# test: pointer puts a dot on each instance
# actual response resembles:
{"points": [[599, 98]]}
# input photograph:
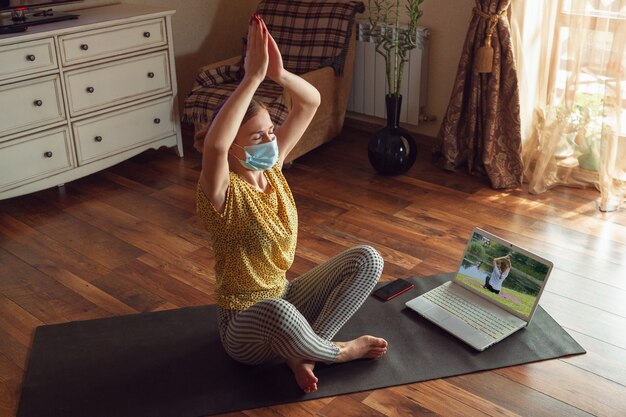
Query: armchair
{"points": [[316, 41]]}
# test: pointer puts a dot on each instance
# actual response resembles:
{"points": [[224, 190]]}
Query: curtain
{"points": [[571, 60], [480, 131]]}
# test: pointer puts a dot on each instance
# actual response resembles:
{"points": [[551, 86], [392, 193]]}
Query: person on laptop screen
{"points": [[501, 268], [250, 214]]}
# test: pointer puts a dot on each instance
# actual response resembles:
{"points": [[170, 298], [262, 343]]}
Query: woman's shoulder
{"points": [[204, 207], [207, 209]]}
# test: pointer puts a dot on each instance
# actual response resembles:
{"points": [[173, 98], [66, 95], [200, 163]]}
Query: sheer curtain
{"points": [[571, 64]]}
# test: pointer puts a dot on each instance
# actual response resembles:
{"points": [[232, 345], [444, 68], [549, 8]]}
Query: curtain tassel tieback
{"points": [[483, 62]]}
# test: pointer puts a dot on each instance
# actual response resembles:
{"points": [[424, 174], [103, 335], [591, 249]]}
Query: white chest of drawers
{"points": [[82, 95]]}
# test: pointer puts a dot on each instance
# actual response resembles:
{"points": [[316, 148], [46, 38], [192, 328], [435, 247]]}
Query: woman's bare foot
{"points": [[362, 347], [303, 371]]}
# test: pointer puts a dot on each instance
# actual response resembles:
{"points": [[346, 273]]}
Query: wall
{"points": [[209, 31], [205, 31], [448, 21]]}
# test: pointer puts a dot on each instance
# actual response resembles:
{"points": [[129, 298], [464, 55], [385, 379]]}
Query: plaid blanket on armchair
{"points": [[310, 34]]}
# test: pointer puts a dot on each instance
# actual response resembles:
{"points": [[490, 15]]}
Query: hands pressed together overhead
{"points": [[263, 58]]}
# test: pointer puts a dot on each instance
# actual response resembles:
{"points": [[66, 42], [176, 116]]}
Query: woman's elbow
{"points": [[316, 99], [214, 147], [312, 102]]}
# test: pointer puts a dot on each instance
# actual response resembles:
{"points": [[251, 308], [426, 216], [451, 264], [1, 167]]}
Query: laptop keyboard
{"points": [[472, 314]]}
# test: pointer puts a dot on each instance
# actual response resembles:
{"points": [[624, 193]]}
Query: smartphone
{"points": [[393, 289]]}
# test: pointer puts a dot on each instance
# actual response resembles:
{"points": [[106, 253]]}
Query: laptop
{"points": [[494, 293]]}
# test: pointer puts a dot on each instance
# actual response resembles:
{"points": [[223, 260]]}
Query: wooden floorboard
{"points": [[126, 240]]}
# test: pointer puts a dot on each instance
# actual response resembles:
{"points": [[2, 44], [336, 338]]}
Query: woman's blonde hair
{"points": [[253, 109]]}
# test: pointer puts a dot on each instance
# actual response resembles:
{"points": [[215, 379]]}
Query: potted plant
{"points": [[392, 150], [572, 120], [593, 131], [393, 40], [583, 127], [589, 148]]}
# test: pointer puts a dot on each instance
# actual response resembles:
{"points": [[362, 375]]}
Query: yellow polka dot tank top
{"points": [[254, 239]]}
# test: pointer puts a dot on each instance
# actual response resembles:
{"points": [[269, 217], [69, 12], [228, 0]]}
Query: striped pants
{"points": [[302, 323]]}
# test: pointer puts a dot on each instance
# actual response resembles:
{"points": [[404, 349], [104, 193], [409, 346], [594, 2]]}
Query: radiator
{"points": [[367, 95]]}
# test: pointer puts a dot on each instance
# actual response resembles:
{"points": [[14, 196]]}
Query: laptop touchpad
{"points": [[437, 313]]}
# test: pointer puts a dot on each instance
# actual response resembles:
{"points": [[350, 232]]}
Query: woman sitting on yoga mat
{"points": [[250, 214], [501, 268]]}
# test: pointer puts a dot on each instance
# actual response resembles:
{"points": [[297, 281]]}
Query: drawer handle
{"points": [[146, 34], [90, 89], [151, 75], [38, 103], [98, 138], [31, 57], [47, 154], [157, 120], [84, 46]]}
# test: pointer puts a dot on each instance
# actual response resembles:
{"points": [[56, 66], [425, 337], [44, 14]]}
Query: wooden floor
{"points": [[126, 240]]}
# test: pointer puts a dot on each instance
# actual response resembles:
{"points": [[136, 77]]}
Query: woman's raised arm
{"points": [[221, 134], [305, 100]]}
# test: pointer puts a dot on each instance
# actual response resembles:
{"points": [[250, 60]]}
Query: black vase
{"points": [[392, 150]]}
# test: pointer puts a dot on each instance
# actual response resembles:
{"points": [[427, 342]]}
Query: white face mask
{"points": [[260, 157]]}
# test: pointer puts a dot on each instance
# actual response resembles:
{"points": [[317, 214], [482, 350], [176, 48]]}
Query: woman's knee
{"points": [[279, 315], [370, 261], [252, 336]]}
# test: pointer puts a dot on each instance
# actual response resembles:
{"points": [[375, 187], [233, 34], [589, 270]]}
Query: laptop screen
{"points": [[511, 276]]}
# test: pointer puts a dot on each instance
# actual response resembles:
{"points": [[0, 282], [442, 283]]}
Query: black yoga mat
{"points": [[171, 363]]}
